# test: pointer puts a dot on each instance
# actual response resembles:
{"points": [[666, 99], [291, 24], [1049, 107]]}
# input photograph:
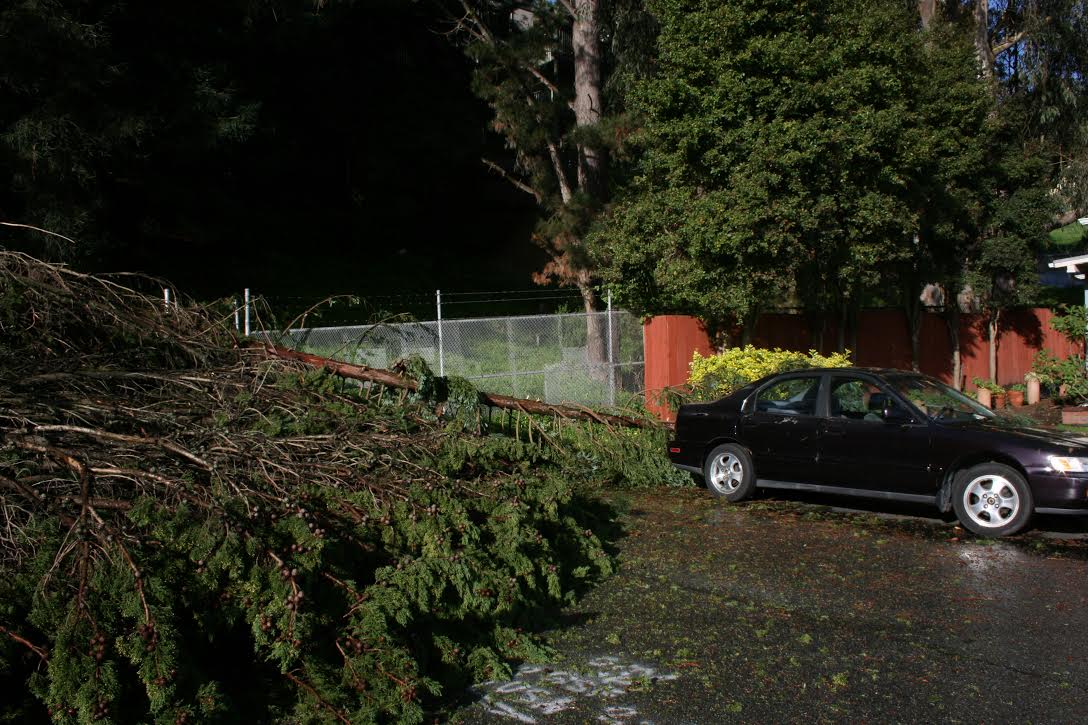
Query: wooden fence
{"points": [[883, 340]]}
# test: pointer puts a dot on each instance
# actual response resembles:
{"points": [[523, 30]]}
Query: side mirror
{"points": [[895, 414]]}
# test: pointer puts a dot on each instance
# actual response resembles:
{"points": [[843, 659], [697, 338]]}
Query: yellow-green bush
{"points": [[718, 375]]}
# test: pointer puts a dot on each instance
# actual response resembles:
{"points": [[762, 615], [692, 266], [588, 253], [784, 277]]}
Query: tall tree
{"points": [[1035, 55], [772, 159], [544, 68], [952, 141]]}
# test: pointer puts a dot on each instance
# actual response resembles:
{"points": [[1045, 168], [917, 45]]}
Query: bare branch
{"points": [[560, 175], [38, 229], [1008, 43], [518, 183], [42, 654]]}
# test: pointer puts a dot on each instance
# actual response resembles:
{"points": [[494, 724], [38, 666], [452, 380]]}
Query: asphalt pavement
{"points": [[808, 609]]}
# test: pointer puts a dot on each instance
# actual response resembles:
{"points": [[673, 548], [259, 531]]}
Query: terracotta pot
{"points": [[1016, 398], [1033, 391], [984, 397], [999, 401]]}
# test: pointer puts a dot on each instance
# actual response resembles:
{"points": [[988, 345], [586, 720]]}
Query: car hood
{"points": [[1035, 434]]}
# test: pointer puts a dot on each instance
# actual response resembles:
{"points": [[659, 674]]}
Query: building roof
{"points": [[1076, 266]]}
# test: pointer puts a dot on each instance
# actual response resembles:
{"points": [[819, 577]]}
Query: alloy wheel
{"points": [[726, 473], [991, 501]]}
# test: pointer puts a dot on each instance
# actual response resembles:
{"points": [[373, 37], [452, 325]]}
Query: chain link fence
{"points": [[592, 359]]}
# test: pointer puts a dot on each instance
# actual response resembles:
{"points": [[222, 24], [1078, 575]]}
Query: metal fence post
{"points": [[441, 351], [611, 357], [166, 298], [247, 312], [511, 358]]}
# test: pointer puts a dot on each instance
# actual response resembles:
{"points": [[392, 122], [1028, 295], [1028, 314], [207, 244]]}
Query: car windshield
{"points": [[937, 400]]}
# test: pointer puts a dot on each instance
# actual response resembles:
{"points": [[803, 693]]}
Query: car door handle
{"points": [[791, 421]]}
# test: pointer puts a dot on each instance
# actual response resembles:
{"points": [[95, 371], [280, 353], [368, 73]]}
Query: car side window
{"points": [[794, 396], [852, 398], [857, 399]]}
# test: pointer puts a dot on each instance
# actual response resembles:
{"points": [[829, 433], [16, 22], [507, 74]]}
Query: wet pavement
{"points": [[787, 609]]}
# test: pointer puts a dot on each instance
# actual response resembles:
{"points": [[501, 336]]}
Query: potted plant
{"points": [[990, 393], [1016, 394], [982, 392]]}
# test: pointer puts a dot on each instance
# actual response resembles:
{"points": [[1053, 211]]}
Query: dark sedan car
{"points": [[882, 434]]}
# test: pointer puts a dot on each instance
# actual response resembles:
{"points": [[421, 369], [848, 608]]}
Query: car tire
{"points": [[992, 499], [729, 473]]}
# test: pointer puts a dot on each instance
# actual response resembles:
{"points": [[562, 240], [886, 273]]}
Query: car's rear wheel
{"points": [[729, 473], [992, 499]]}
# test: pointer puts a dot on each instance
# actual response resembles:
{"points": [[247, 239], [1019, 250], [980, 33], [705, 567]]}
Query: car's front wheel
{"points": [[729, 473], [992, 499]]}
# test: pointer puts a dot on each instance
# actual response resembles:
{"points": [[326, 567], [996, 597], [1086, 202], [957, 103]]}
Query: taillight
{"points": [[674, 450]]}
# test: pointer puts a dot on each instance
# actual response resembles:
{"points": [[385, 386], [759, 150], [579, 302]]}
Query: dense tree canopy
{"points": [[776, 158], [824, 155]]}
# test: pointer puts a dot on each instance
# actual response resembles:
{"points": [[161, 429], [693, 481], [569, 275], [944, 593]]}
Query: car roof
{"points": [[870, 371]]}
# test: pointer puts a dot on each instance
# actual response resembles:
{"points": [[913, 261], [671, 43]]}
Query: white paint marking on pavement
{"points": [[541, 690]]}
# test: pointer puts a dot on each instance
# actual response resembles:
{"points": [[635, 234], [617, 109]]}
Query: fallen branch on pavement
{"points": [[394, 380]]}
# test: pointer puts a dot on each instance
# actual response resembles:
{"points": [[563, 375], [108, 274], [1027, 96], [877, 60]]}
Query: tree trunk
{"points": [[596, 336], [983, 52], [855, 322], [819, 324], [927, 9], [586, 44], [912, 305], [995, 318], [952, 320], [843, 322], [748, 325], [394, 379]]}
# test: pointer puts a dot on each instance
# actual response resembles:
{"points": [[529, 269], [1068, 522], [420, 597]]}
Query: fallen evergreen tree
{"points": [[191, 530]]}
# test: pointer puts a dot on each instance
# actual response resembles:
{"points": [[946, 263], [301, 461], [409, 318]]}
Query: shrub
{"points": [[990, 385], [1055, 372], [719, 375]]}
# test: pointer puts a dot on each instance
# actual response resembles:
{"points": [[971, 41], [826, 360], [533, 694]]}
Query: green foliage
{"points": [[773, 159], [377, 604], [1056, 372], [719, 375], [1071, 321], [1070, 236], [990, 385], [222, 537]]}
